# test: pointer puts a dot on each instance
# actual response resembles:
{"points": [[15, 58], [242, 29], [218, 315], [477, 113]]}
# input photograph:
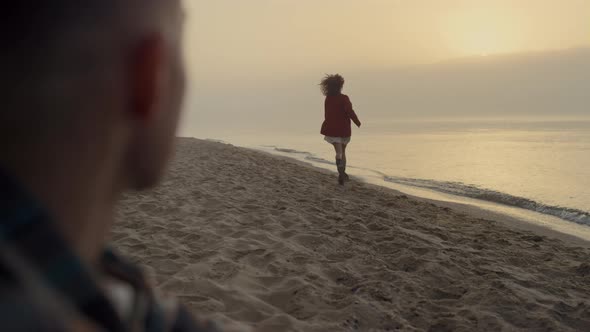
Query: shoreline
{"points": [[259, 242], [472, 210], [512, 222]]}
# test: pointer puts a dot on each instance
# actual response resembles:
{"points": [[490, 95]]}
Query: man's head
{"points": [[100, 79]]}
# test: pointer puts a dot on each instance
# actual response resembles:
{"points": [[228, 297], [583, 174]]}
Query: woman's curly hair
{"points": [[332, 85]]}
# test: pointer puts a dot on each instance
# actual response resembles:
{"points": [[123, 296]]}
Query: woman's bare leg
{"points": [[338, 147]]}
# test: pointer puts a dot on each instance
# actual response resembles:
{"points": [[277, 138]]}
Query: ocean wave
{"points": [[308, 155], [468, 191], [319, 160], [291, 151], [471, 191]]}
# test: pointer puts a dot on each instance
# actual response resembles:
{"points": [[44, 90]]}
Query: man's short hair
{"points": [[27, 27], [48, 45], [37, 46]]}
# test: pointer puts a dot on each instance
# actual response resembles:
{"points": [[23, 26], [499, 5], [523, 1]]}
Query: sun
{"points": [[483, 40], [480, 33]]}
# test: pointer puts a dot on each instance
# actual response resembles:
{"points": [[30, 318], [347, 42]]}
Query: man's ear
{"points": [[146, 73]]}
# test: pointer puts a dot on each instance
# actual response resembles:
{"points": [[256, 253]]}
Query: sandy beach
{"points": [[269, 244]]}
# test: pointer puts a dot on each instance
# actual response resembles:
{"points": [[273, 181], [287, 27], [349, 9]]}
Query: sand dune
{"points": [[267, 243]]}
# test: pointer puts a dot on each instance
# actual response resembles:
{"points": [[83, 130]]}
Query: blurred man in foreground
{"points": [[91, 92]]}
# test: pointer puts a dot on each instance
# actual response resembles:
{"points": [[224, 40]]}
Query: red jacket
{"points": [[338, 113]]}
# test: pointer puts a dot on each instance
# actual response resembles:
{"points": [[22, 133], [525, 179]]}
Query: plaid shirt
{"points": [[45, 287]]}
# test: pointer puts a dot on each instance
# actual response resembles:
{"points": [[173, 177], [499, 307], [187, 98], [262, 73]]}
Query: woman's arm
{"points": [[350, 112]]}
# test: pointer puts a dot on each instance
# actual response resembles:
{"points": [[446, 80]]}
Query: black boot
{"points": [[340, 166], [346, 177]]}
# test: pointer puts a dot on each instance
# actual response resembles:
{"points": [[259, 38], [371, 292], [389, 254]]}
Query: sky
{"points": [[237, 36], [270, 54]]}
